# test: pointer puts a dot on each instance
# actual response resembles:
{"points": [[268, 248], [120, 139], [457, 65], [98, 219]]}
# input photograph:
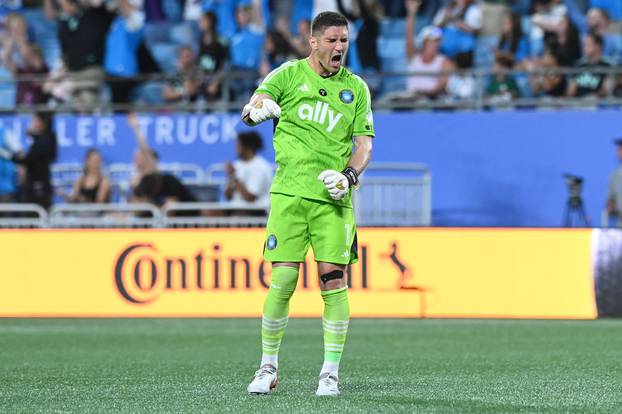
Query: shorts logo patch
{"points": [[346, 96], [271, 242]]}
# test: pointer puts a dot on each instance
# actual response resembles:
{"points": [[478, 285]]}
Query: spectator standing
{"points": [[246, 45], [277, 50], [29, 91], [461, 20], [37, 160], [24, 59], [589, 82], [91, 186], [249, 177], [502, 87], [428, 59], [546, 15], [223, 9], [365, 15], [598, 22], [82, 29], [122, 43], [563, 41], [186, 84], [512, 39], [299, 42], [213, 56]]}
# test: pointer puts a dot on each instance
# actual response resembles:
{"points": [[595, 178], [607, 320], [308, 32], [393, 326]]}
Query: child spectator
{"points": [[502, 87], [461, 86]]}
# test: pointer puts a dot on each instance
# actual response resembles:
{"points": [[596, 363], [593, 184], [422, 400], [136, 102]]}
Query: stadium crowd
{"points": [[82, 52]]}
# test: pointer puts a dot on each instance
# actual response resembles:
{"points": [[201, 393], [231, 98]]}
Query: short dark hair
{"points": [[598, 39], [327, 19], [251, 140]]}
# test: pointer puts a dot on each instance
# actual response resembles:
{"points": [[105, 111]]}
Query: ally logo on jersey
{"points": [[321, 113]]}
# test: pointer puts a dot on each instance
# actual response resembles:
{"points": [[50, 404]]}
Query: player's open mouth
{"points": [[335, 60]]}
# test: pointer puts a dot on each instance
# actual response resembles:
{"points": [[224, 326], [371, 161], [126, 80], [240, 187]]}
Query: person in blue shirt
{"points": [[246, 47], [8, 174], [122, 42]]}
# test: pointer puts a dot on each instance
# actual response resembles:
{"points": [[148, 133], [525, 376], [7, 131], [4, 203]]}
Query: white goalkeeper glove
{"points": [[262, 111], [338, 183]]}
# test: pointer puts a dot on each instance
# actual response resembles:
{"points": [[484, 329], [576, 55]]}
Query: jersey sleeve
{"points": [[363, 118], [275, 83]]}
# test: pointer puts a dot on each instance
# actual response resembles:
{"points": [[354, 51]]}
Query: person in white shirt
{"points": [[427, 60], [250, 176]]}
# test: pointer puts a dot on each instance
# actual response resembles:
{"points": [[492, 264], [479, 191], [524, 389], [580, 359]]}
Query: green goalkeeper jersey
{"points": [[319, 118]]}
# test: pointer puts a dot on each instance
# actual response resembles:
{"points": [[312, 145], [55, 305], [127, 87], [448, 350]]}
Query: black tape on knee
{"points": [[335, 274]]}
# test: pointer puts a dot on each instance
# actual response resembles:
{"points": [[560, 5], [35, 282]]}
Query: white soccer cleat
{"points": [[328, 385], [265, 380]]}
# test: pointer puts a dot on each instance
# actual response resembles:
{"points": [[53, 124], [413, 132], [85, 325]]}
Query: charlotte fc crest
{"points": [[346, 96]]}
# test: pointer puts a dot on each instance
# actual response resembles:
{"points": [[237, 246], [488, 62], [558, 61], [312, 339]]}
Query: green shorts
{"points": [[295, 223]]}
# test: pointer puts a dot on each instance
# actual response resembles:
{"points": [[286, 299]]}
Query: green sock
{"points": [[335, 323], [276, 311]]}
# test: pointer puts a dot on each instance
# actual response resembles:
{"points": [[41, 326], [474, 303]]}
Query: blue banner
{"points": [[488, 169]]}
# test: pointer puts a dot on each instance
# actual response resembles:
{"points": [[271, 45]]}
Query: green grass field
{"points": [[412, 366]]}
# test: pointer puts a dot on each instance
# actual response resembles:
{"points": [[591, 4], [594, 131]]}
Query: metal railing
{"points": [[105, 215], [22, 215], [389, 200], [214, 215], [233, 79]]}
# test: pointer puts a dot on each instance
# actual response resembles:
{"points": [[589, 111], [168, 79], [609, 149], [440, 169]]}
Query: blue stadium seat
{"points": [[157, 33], [148, 93], [173, 10], [391, 47], [166, 55], [185, 34], [7, 89]]}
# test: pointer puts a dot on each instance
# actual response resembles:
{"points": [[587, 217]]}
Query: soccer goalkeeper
{"points": [[321, 109]]}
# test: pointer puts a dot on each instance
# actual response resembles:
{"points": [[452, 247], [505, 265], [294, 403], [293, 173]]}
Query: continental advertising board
{"points": [[402, 272]]}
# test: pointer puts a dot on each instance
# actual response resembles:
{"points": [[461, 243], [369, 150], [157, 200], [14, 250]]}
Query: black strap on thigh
{"points": [[335, 274]]}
